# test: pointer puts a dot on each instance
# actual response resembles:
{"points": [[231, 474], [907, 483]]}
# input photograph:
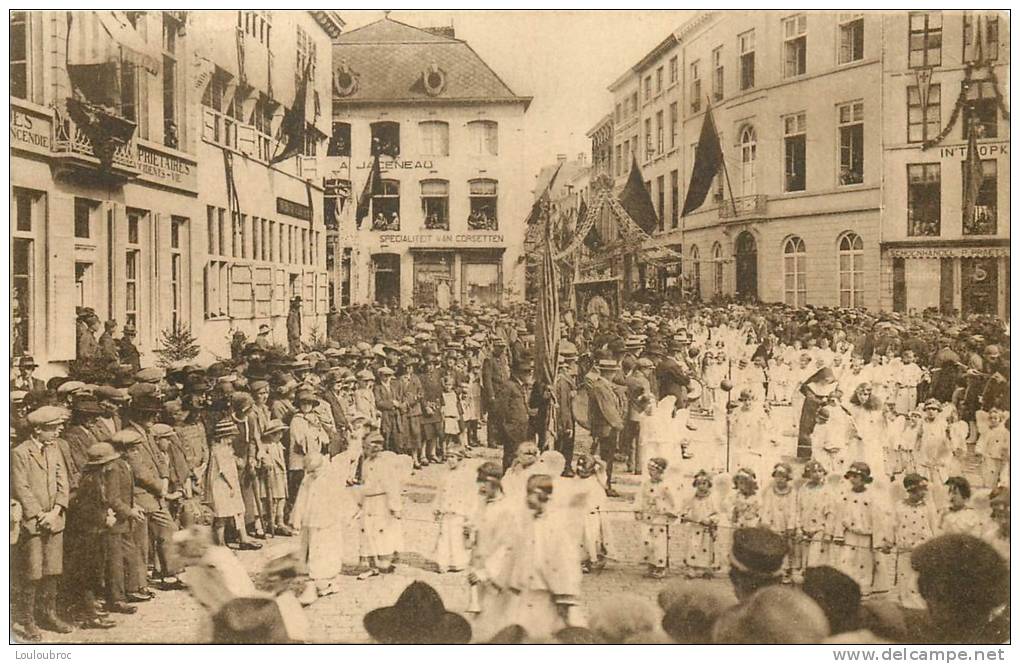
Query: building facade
{"points": [[443, 221], [110, 209], [944, 70]]}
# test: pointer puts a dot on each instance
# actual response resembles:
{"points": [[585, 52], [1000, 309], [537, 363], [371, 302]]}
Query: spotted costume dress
{"points": [[915, 523], [859, 524], [779, 514], [814, 514], [699, 539], [655, 503]]}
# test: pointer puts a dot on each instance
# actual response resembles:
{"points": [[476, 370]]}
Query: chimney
{"points": [[560, 158], [446, 31]]}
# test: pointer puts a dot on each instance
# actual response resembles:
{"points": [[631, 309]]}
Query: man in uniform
{"points": [[40, 485], [511, 409], [109, 354], [129, 354]]}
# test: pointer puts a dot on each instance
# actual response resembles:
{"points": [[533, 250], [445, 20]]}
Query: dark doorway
{"points": [[979, 286], [747, 267], [387, 279]]}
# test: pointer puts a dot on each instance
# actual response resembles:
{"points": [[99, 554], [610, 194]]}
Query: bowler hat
{"points": [[417, 617], [758, 551]]}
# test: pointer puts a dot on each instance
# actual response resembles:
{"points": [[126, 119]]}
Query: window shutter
{"points": [[161, 306], [308, 167], [246, 139], [242, 295], [263, 287], [322, 301], [308, 293], [208, 124], [280, 293], [61, 340]]}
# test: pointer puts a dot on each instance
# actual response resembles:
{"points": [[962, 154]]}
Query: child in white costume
{"points": [[380, 506], [914, 522], [590, 482], [322, 508], [859, 527], [745, 511], [959, 517], [814, 518], [457, 501], [993, 446], [779, 508], [491, 539], [700, 514], [656, 508]]}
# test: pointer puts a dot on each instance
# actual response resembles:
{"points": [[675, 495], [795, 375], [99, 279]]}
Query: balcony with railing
{"points": [[70, 142], [744, 207]]}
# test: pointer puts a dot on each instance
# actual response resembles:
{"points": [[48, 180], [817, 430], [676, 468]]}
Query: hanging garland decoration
{"points": [[998, 93], [961, 100]]}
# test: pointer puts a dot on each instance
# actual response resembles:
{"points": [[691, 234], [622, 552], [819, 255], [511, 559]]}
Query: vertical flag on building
{"points": [[972, 175], [547, 332], [373, 187], [708, 158], [294, 123]]}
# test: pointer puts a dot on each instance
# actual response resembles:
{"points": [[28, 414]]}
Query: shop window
{"points": [[795, 46], [481, 284], [435, 138], [340, 141], [484, 205], [851, 270], [983, 218], [925, 39], [795, 147], [794, 272], [386, 139], [924, 200], [851, 37], [484, 137], [924, 122], [435, 204], [386, 207], [851, 143]]}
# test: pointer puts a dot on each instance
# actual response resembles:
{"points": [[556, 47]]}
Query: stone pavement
{"points": [[173, 617]]}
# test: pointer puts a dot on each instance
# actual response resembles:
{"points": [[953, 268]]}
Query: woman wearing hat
{"points": [[859, 527], [272, 465], [223, 486]]}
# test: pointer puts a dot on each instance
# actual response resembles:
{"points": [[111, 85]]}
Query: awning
{"points": [[103, 36]]}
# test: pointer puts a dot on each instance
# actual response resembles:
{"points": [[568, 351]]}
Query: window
{"points": [[924, 200], [177, 225], [851, 37], [674, 124], [717, 270], [695, 86], [795, 147], [133, 269], [435, 204], [924, 122], [696, 271], [340, 142], [794, 258], [851, 270], [658, 80], [256, 23], [674, 70], [386, 207], [619, 158], [483, 136], [633, 102], [661, 209], [618, 116], [851, 143], [128, 92], [22, 269], [484, 205], [794, 46], [718, 79], [171, 26], [648, 88], [746, 41], [983, 220], [265, 108], [83, 217], [925, 39], [336, 195], [987, 46], [19, 54], [386, 139], [748, 157], [306, 57], [435, 138], [648, 139], [983, 108], [627, 156], [660, 133], [674, 185]]}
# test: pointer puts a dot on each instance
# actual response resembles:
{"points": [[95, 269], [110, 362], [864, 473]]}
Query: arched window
{"points": [[851, 270], [696, 270], [483, 136], [717, 269], [748, 155], [794, 258]]}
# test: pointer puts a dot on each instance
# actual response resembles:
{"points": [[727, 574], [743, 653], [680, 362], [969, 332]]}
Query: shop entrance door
{"points": [[387, 279], [979, 287]]}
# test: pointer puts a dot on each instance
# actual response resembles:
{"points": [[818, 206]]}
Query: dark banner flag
{"points": [[293, 125], [373, 187], [707, 159], [547, 332]]}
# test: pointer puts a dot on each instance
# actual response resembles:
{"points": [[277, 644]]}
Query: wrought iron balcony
{"points": [[743, 206], [70, 141]]}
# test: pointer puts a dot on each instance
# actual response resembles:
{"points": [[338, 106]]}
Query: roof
{"points": [[388, 59], [330, 21], [653, 56]]}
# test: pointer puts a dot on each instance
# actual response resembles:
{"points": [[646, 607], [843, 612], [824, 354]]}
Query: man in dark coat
{"points": [[495, 373], [109, 353], [607, 408], [512, 413], [294, 325], [128, 351]]}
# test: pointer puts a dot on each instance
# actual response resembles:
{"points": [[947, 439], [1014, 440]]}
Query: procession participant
{"points": [[815, 514], [432, 409], [589, 485], [565, 389], [246, 444], [779, 510], [129, 354], [866, 438], [935, 456], [524, 466], [223, 487], [701, 514], [906, 439], [307, 436], [750, 432], [495, 373], [908, 377], [657, 507], [455, 505], [993, 447], [745, 512], [639, 401], [40, 485], [914, 522], [491, 541], [959, 517], [543, 567], [998, 529], [860, 525], [816, 390], [380, 507], [606, 413]]}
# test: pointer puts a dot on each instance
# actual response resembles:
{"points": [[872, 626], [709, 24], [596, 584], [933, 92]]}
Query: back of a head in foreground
{"points": [[617, 619], [773, 615], [962, 578], [691, 607]]}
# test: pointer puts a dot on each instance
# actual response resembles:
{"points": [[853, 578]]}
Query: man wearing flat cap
{"points": [[39, 482], [129, 354]]}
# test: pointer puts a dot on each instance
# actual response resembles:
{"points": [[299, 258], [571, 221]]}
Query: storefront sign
{"points": [[985, 150], [29, 131], [166, 169], [292, 209], [445, 238], [398, 165]]}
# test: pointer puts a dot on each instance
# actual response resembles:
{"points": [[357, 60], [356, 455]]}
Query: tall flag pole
{"points": [[373, 187], [547, 337], [974, 175], [708, 159]]}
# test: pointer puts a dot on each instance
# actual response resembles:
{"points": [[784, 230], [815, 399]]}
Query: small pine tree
{"points": [[176, 344]]}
